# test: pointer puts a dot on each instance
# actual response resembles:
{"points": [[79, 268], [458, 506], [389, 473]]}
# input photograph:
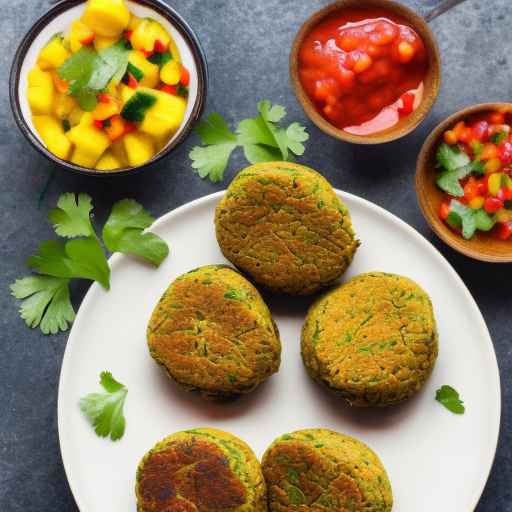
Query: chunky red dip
{"points": [[363, 69]]}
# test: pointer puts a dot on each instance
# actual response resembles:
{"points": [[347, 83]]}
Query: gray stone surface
{"points": [[247, 44]]}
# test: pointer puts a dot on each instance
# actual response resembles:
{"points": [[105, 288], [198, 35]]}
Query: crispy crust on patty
{"points": [[200, 470], [373, 340], [319, 470], [212, 333], [284, 225]]}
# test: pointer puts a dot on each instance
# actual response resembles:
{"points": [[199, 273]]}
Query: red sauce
{"points": [[363, 69]]}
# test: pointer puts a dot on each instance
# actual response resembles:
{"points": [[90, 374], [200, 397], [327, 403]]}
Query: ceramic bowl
{"points": [[482, 246], [431, 83], [59, 19]]}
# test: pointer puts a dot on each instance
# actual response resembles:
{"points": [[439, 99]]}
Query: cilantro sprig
{"points": [[262, 139], [468, 219], [450, 398], [105, 410], [45, 294]]}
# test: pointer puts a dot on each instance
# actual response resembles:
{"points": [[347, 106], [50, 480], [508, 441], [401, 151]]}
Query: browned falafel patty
{"points": [[284, 225], [200, 470], [213, 333], [319, 470], [373, 340]]}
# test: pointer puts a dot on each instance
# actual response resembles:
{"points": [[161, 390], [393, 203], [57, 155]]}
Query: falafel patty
{"points": [[200, 470], [284, 225], [212, 333], [373, 340], [320, 470]]}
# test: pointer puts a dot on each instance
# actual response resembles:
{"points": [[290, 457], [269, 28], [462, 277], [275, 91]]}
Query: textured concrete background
{"points": [[247, 44]]}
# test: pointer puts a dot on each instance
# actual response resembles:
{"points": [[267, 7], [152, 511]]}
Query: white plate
{"points": [[437, 461]]}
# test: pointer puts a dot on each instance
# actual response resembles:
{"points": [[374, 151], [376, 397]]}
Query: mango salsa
{"points": [[111, 91]]}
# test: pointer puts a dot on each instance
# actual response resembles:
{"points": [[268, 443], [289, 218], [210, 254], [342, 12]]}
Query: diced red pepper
{"points": [[98, 124], [88, 39], [483, 186], [504, 230], [184, 76], [147, 54], [444, 209], [132, 81], [504, 194], [159, 47], [481, 131], [493, 204], [471, 189], [408, 104], [505, 152], [128, 34], [497, 118], [116, 128], [466, 135], [129, 128], [104, 98], [170, 89]]}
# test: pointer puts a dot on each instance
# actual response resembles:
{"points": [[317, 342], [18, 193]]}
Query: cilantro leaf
{"points": [[82, 258], [449, 180], [215, 131], [296, 135], [449, 397], [46, 302], [484, 221], [462, 216], [271, 113], [123, 232], [255, 131], [71, 218], [105, 410], [116, 58], [450, 158], [255, 153], [211, 161]]}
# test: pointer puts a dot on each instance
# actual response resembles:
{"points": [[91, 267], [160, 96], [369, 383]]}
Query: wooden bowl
{"points": [[432, 81], [482, 246]]}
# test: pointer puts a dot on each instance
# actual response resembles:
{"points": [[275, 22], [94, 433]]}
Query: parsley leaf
{"points": [[262, 139], [71, 218], [81, 258], [46, 302], [123, 232], [105, 410], [451, 158], [447, 396]]}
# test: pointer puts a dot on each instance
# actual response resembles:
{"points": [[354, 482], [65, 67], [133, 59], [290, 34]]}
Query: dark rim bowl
{"points": [[432, 80], [199, 80]]}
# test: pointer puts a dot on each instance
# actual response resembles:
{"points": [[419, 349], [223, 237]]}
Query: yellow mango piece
{"points": [[139, 148], [134, 22], [101, 42], [492, 165], [106, 17], [75, 116], [51, 131], [53, 55], [495, 183], [119, 153], [41, 91], [90, 142], [151, 71], [108, 162], [173, 48], [64, 105], [146, 33], [170, 73], [504, 215], [126, 93], [165, 116]]}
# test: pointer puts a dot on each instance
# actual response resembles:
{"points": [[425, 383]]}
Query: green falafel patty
{"points": [[200, 470], [319, 470], [212, 333], [283, 225], [373, 340]]}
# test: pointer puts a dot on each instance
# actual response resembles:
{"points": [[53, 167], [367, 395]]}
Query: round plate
{"points": [[435, 459]]}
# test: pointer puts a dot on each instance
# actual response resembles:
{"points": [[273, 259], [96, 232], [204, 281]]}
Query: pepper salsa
{"points": [[363, 69], [475, 173]]}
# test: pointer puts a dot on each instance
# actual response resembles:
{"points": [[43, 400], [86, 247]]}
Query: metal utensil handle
{"points": [[444, 6]]}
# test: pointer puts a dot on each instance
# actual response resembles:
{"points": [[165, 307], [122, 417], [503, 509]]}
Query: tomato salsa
{"points": [[363, 69], [475, 173]]}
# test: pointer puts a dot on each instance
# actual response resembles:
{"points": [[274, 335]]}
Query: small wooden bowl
{"points": [[482, 246], [432, 81]]}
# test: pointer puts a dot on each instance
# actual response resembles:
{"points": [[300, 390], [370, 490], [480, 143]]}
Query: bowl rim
{"points": [[62, 6], [453, 240], [389, 135]]}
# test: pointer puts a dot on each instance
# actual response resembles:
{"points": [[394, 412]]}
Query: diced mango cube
{"points": [[173, 48], [165, 116], [126, 93], [101, 42], [80, 35], [75, 116], [151, 71], [53, 55], [108, 162], [64, 105], [134, 22], [90, 142], [106, 17], [41, 91], [171, 72], [51, 131], [139, 147], [117, 149], [146, 33]]}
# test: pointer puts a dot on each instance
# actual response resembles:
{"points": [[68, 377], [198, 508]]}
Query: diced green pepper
{"points": [[137, 106]]}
